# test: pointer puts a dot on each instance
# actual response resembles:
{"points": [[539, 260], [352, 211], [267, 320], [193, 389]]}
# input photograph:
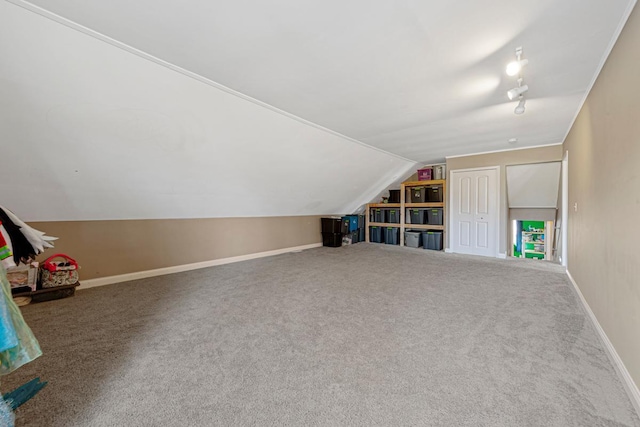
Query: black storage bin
{"points": [[394, 196], [332, 240], [392, 235], [434, 194], [416, 216], [375, 234], [361, 233], [434, 216], [418, 195], [432, 240], [355, 236], [360, 221], [331, 225], [393, 216], [377, 215]]}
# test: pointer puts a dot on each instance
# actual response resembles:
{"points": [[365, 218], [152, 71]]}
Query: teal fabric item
{"points": [[27, 348], [22, 394], [7, 418], [8, 337]]}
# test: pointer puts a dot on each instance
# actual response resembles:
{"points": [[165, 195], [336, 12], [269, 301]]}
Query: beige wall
{"points": [[604, 180], [503, 159], [107, 248]]}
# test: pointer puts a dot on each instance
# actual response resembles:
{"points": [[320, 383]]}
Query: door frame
{"points": [[565, 210], [497, 205]]}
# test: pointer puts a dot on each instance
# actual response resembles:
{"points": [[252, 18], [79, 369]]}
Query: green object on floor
{"points": [[22, 394]]}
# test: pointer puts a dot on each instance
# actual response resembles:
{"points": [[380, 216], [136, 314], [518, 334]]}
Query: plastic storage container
{"points": [[361, 233], [355, 236], [377, 215], [353, 222], [394, 196], [432, 240], [416, 216], [425, 174], [418, 195], [393, 216], [331, 225], [332, 240], [434, 194], [375, 234], [345, 225], [434, 216], [413, 238], [392, 235]]}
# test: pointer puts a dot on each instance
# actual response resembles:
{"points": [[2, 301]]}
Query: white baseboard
{"points": [[101, 281], [502, 256], [448, 250], [629, 385]]}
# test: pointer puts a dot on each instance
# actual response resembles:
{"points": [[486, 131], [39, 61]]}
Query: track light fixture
{"points": [[515, 67], [520, 108], [516, 92]]}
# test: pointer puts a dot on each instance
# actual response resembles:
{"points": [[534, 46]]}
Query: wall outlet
{"points": [[575, 207]]}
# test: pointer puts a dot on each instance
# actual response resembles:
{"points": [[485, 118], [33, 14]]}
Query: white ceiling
{"points": [[421, 79], [89, 131], [91, 128]]}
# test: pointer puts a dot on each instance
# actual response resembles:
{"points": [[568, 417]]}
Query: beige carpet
{"points": [[362, 335]]}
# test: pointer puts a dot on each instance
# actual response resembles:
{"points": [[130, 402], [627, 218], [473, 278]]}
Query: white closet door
{"points": [[474, 212]]}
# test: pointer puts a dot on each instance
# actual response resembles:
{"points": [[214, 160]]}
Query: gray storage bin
{"points": [[361, 233], [393, 215], [416, 216], [377, 215], [418, 195], [392, 235], [432, 240], [434, 216], [434, 194], [413, 238], [375, 234]]}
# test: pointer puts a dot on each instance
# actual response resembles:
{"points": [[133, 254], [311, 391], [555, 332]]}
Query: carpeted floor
{"points": [[361, 335]]}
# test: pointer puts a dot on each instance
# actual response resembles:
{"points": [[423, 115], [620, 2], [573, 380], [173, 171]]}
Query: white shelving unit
{"points": [[537, 238]]}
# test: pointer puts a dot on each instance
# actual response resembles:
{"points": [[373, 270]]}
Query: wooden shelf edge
{"points": [[425, 226], [383, 224], [425, 205], [422, 183], [384, 205]]}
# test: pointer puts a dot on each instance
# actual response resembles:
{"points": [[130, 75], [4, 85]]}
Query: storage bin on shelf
{"points": [[434, 216], [375, 234], [392, 235], [413, 238], [416, 216], [434, 194], [432, 239]]}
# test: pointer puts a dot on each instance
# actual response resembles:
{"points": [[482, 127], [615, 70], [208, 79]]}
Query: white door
{"points": [[475, 211]]}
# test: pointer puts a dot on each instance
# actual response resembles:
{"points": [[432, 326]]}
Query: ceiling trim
{"points": [[532, 147], [603, 61], [130, 49]]}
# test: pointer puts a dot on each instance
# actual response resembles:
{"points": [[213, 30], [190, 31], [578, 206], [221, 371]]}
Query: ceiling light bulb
{"points": [[514, 67], [517, 91], [512, 140], [520, 108]]}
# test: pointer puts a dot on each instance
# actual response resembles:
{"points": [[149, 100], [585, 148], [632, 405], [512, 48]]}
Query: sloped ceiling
{"points": [[90, 131], [244, 108]]}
